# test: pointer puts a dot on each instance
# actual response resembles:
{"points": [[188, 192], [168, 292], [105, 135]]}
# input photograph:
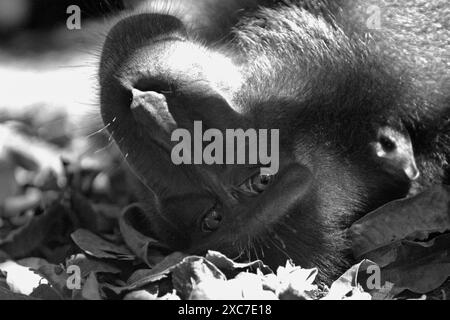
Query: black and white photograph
{"points": [[245, 151]]}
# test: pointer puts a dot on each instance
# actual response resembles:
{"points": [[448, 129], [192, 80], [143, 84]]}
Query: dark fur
{"points": [[313, 74]]}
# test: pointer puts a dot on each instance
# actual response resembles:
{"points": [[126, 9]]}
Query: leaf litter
{"points": [[69, 229]]}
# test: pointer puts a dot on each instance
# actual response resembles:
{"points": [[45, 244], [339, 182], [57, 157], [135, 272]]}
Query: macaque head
{"points": [[221, 163]]}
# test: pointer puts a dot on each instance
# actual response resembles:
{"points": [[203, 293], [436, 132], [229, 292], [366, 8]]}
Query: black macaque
{"points": [[356, 128]]}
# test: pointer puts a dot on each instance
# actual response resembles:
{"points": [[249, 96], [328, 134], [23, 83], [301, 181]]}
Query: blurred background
{"points": [[48, 100], [50, 140], [43, 64], [19, 16]]}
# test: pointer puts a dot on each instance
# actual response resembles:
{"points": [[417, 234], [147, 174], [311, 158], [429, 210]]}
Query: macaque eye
{"points": [[257, 184], [211, 221], [387, 144]]}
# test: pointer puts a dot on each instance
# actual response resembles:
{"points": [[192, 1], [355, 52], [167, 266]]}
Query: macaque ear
{"points": [[394, 149]]}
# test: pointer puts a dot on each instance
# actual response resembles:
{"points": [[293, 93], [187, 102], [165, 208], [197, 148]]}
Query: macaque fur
{"points": [[357, 128]]}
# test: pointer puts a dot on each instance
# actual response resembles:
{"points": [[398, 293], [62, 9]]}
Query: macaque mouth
{"points": [[152, 85]]}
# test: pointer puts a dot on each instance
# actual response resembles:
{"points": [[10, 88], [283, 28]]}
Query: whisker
{"points": [[109, 145], [280, 249], [98, 131], [260, 246], [254, 249]]}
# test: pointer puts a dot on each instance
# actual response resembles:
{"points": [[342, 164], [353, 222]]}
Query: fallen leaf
{"points": [[33, 263], [45, 292], [8, 185], [57, 277], [146, 295], [85, 213], [97, 247], [251, 287], [170, 296], [420, 267], [141, 295], [246, 286], [14, 206], [91, 265], [148, 249], [193, 270], [54, 274], [91, 290], [412, 218], [21, 279], [229, 267], [348, 284], [21, 242], [144, 277], [295, 283], [6, 294], [386, 292], [215, 289], [30, 152]]}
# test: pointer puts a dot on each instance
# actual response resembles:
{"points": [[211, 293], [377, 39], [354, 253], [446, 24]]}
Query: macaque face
{"points": [[157, 86], [182, 84]]}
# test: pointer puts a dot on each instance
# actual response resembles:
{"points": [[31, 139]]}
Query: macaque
{"points": [[356, 128]]}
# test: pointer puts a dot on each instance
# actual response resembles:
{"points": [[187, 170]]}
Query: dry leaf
{"points": [[21, 279], [95, 246], [413, 218], [144, 247]]}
